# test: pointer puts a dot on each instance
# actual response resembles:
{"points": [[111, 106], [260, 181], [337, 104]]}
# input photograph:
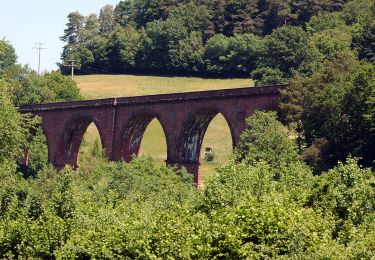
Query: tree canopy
{"points": [[225, 36], [8, 56]]}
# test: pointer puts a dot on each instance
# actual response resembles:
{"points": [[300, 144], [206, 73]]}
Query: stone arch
{"points": [[71, 139], [133, 131], [194, 130]]}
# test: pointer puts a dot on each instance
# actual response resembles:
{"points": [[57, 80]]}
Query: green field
{"points": [[153, 142]]}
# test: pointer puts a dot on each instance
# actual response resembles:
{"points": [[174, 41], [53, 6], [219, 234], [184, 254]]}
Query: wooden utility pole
{"points": [[71, 65], [38, 46]]}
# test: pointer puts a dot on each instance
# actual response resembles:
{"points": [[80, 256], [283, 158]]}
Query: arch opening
{"points": [[217, 146], [191, 148], [91, 147], [154, 143], [134, 133], [72, 140]]}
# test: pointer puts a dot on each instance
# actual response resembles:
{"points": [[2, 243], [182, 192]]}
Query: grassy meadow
{"points": [[153, 143]]}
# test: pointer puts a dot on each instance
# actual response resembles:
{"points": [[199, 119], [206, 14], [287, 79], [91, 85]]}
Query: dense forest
{"points": [[300, 184], [218, 38]]}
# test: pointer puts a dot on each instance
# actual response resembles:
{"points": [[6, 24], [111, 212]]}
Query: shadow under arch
{"points": [[133, 132], [72, 137], [193, 133]]}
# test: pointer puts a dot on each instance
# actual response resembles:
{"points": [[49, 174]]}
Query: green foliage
{"points": [[324, 21], [195, 17], [265, 230], [346, 195], [19, 132], [364, 43], [14, 128], [331, 41], [267, 76], [266, 139], [333, 111], [358, 12], [53, 86], [162, 37], [238, 54], [8, 57], [343, 106], [124, 45], [217, 49], [287, 49], [330, 34], [208, 37], [209, 157], [72, 33], [106, 20], [187, 56], [140, 210], [38, 152]]}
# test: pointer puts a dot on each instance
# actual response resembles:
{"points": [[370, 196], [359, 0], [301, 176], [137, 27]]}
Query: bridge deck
{"points": [[157, 99]]}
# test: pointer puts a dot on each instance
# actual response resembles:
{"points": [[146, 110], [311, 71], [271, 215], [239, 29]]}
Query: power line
{"points": [[38, 46], [72, 66]]}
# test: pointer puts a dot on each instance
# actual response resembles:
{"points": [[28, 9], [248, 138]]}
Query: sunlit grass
{"points": [[104, 86]]}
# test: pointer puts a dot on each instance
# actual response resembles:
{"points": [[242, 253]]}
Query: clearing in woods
{"points": [[153, 143]]}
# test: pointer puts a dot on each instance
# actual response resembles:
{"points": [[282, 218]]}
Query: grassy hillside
{"points": [[103, 86], [153, 142]]}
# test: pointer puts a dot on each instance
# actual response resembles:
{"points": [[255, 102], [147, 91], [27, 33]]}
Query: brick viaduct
{"points": [[121, 122]]}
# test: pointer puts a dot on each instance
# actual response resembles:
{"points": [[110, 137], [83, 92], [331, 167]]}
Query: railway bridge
{"points": [[121, 122]]}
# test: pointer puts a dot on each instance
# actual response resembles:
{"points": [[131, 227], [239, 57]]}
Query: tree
{"points": [[243, 53], [215, 54], [267, 76], [266, 139], [330, 34], [358, 12], [106, 20], [51, 87], [287, 49], [324, 21], [124, 12], [124, 45], [338, 112], [75, 24], [165, 7], [237, 55], [15, 128], [364, 44], [64, 87], [187, 56], [8, 57], [277, 13], [162, 36], [82, 56], [99, 47], [194, 17], [331, 41], [91, 28], [345, 195], [218, 16], [305, 9], [245, 18]]}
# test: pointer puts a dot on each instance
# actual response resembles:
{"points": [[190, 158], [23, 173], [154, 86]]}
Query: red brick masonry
{"points": [[122, 122]]}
